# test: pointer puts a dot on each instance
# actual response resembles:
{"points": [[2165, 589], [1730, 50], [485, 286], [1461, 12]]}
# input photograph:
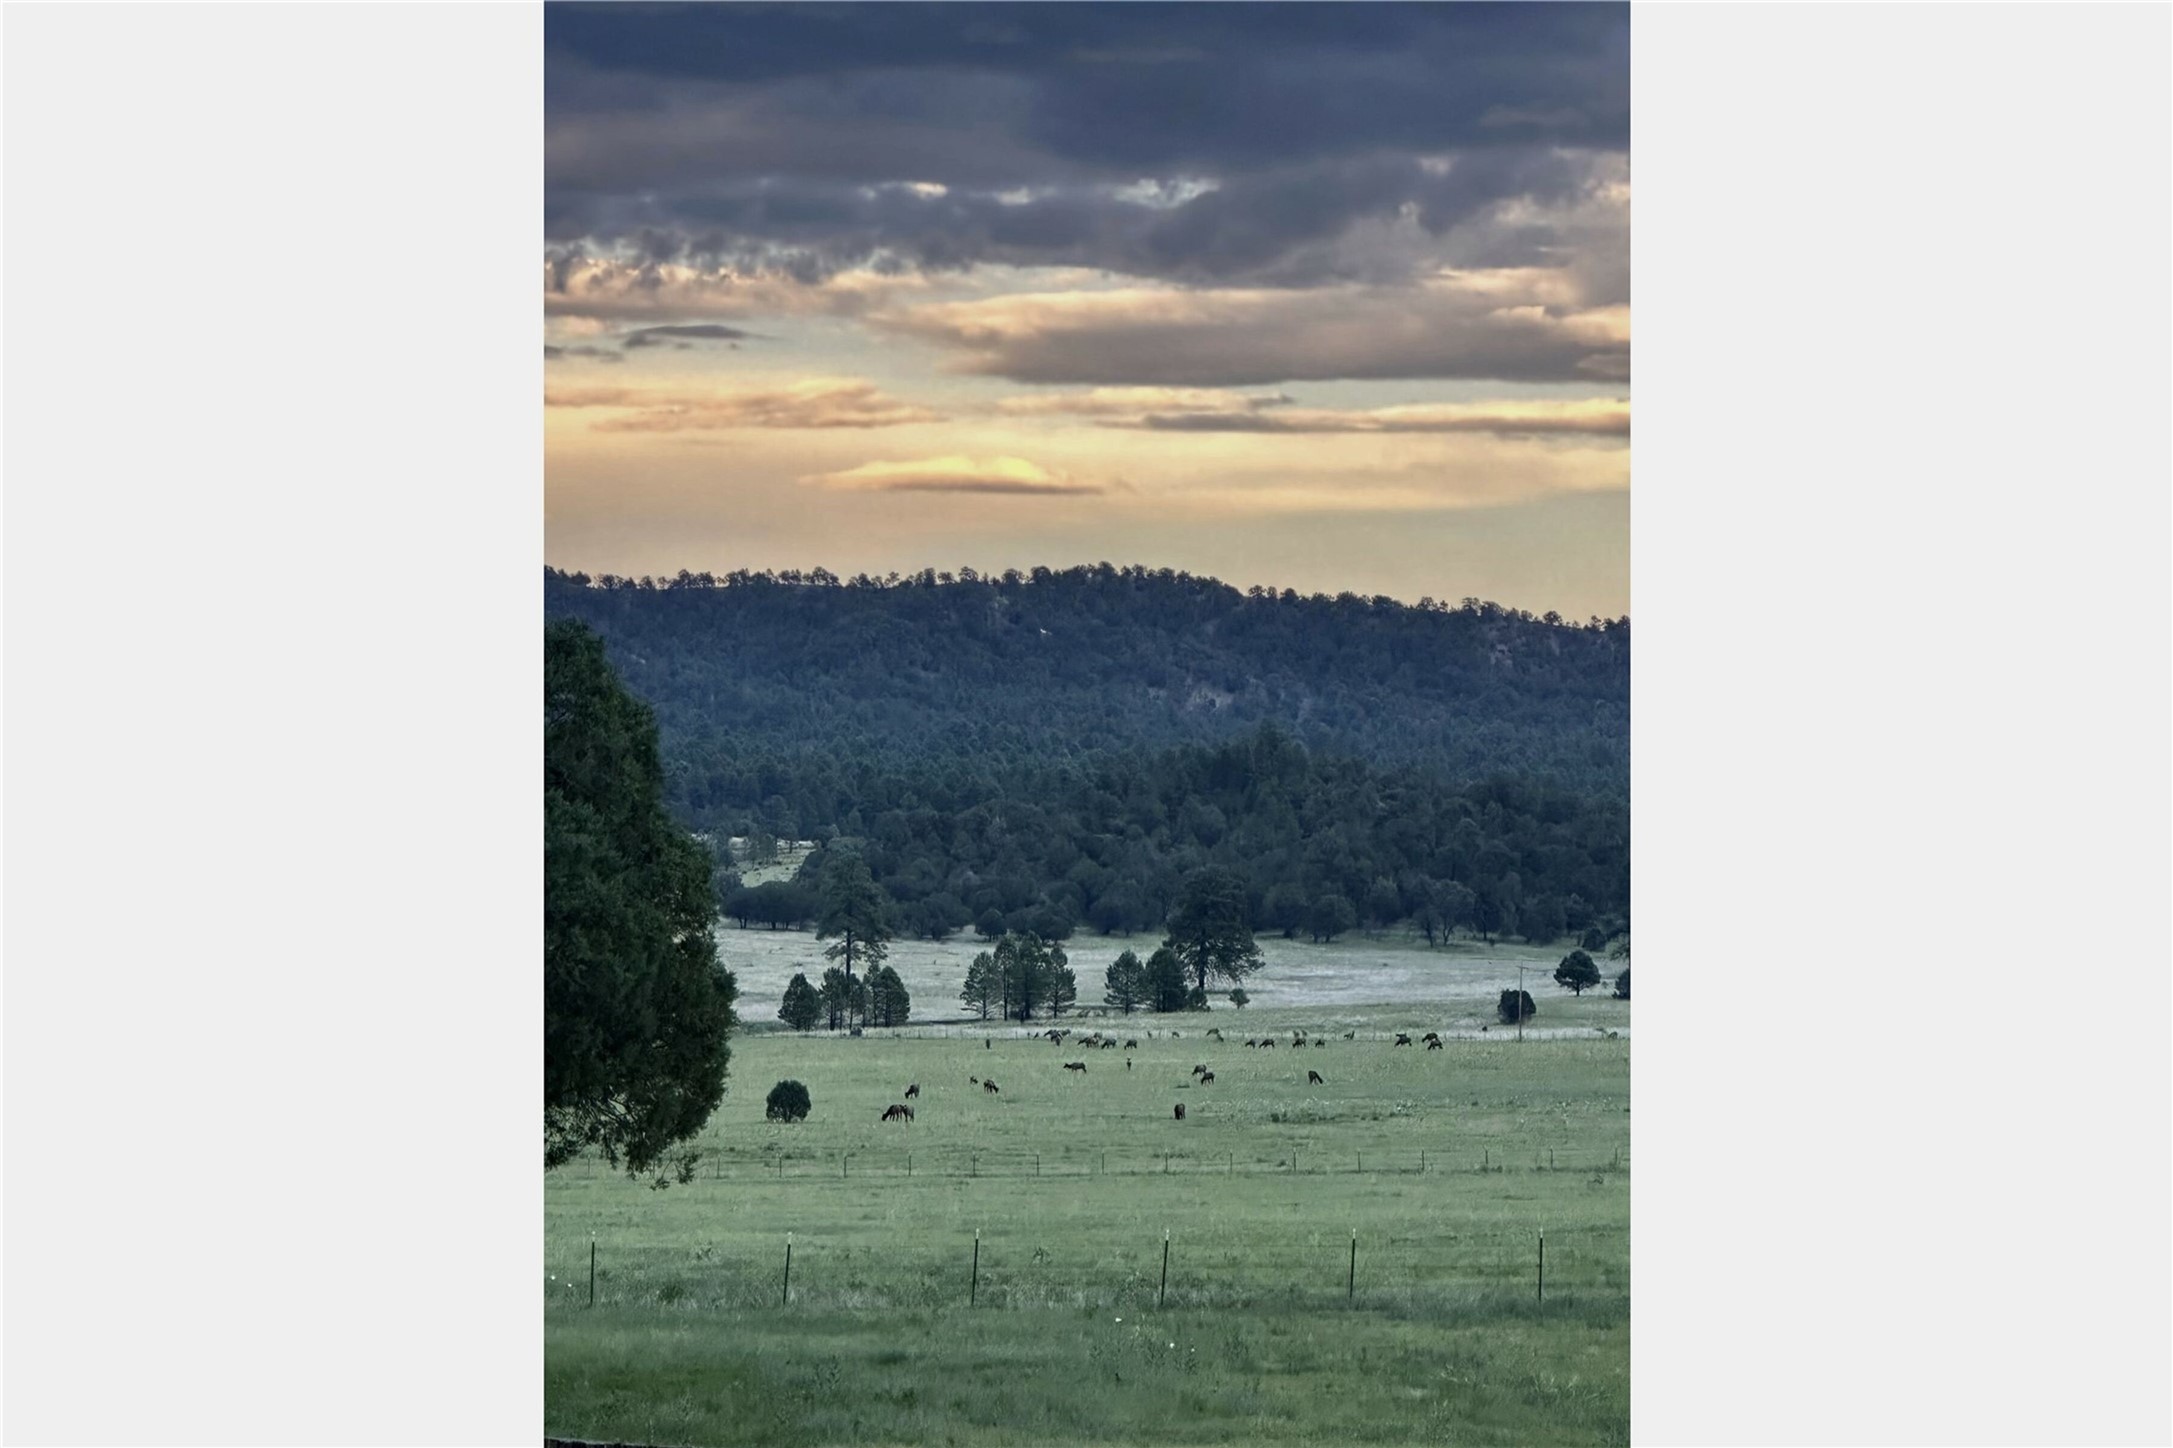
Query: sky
{"points": [[1327, 297]]}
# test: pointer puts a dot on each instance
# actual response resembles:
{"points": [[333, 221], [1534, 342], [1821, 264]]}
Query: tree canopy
{"points": [[802, 1007], [1209, 932], [1577, 974], [637, 1009]]}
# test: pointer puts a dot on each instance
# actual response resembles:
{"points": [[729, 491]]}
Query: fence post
{"points": [[1542, 1264], [973, 1287], [785, 1299], [1350, 1290], [592, 1269], [1161, 1294]]}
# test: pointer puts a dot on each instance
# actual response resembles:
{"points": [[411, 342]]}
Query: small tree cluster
{"points": [[844, 999], [889, 1004], [1515, 1006]]}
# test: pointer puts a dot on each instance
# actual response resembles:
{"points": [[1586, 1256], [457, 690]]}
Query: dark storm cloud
{"points": [[592, 354], [693, 332], [1330, 142]]}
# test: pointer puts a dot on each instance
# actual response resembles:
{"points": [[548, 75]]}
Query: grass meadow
{"points": [[1447, 1165]]}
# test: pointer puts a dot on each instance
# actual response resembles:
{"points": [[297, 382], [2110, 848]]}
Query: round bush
{"points": [[788, 1101]]}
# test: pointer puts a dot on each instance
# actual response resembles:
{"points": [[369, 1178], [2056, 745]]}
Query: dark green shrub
{"points": [[788, 1101]]}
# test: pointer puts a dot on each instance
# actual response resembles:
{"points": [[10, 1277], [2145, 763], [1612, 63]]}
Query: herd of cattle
{"points": [[1097, 1041]]}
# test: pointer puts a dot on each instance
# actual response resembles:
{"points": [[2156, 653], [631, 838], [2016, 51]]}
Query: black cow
{"points": [[1207, 1078], [988, 1085], [899, 1113], [1312, 1078], [1180, 1111], [912, 1091], [1079, 1066], [1434, 1044]]}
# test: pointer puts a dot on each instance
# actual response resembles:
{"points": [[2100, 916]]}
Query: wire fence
{"points": [[943, 1163], [1017, 1267]]}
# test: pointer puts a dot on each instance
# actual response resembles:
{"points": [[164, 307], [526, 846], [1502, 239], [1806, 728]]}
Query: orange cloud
{"points": [[952, 474], [1453, 326], [818, 402]]}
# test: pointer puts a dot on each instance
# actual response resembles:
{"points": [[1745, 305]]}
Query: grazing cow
{"points": [[1180, 1111], [899, 1113], [989, 1085], [1212, 1031], [1079, 1066], [1207, 1078], [1131, 1045], [973, 1080], [1109, 1045], [1350, 1035], [1434, 1044], [1312, 1078], [1198, 1070], [1402, 1039], [912, 1091], [1267, 1045], [1251, 1045], [1431, 1036]]}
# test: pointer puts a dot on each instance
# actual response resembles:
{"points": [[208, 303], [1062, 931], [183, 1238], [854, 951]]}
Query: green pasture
{"points": [[1447, 1165]]}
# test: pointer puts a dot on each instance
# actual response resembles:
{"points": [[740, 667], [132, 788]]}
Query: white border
{"points": [[273, 492], [1901, 723], [273, 496]]}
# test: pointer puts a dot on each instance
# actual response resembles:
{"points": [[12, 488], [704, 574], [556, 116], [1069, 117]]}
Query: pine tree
{"points": [[802, 1009]]}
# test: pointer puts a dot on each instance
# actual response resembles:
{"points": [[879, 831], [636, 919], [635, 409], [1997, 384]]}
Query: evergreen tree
{"points": [[1208, 930], [802, 1009], [889, 1003], [1577, 974], [1063, 985], [637, 1011], [855, 911], [1167, 988], [844, 998], [1124, 985], [1027, 963], [984, 991]]}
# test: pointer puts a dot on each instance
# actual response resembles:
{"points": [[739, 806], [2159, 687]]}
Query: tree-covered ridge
{"points": [[1091, 661], [1061, 752]]}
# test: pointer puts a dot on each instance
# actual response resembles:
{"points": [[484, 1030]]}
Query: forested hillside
{"points": [[1055, 751]]}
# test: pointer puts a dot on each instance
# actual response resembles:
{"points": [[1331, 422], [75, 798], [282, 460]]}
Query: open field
{"points": [[1355, 971], [1447, 1165]]}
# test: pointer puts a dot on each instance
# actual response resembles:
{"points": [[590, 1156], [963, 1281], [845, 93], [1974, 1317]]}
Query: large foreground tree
{"points": [[637, 1011]]}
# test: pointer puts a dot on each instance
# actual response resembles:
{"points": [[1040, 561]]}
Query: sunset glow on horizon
{"points": [[1324, 297]]}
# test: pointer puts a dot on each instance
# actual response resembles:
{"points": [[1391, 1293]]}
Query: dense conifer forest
{"points": [[1056, 751]]}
